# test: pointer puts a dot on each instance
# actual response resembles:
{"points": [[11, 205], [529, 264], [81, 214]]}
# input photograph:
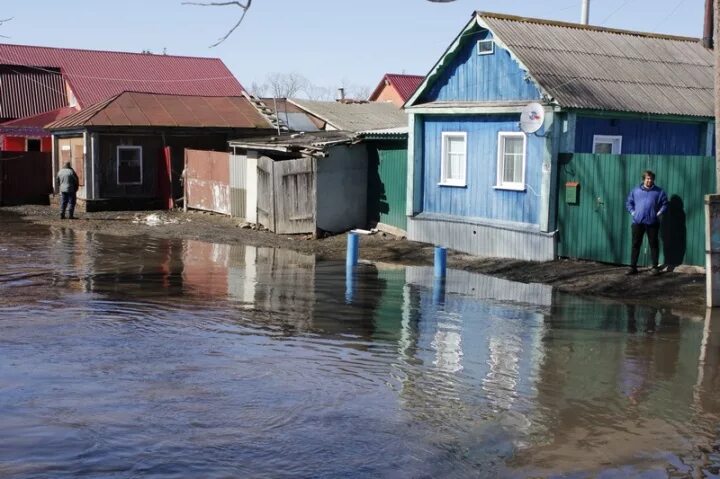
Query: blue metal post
{"points": [[349, 284], [353, 245], [440, 261], [438, 293]]}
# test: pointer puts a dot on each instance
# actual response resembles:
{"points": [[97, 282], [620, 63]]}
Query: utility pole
{"points": [[585, 14], [712, 202]]}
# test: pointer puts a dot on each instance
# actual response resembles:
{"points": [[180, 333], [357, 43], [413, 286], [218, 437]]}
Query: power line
{"points": [[615, 11]]}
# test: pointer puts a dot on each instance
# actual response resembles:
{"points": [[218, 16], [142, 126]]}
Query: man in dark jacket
{"points": [[646, 203], [69, 182]]}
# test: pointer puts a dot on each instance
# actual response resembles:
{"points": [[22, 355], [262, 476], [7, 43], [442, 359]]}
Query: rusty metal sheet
{"points": [[149, 109], [207, 181]]}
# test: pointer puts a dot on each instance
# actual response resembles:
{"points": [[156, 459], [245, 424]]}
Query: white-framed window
{"points": [[129, 165], [607, 144], [511, 160], [485, 47], [453, 164]]}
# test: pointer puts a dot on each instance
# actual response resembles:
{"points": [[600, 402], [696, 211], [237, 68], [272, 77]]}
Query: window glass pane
{"points": [[129, 165], [455, 166], [517, 170], [603, 148], [513, 145], [454, 158], [33, 144], [455, 144], [512, 160]]}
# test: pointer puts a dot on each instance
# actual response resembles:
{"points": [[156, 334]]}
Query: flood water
{"points": [[134, 357]]}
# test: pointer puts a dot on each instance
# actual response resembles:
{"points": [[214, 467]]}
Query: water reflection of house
{"points": [[480, 353]]}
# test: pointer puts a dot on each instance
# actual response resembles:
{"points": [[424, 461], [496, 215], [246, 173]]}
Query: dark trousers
{"points": [[637, 237], [67, 202]]}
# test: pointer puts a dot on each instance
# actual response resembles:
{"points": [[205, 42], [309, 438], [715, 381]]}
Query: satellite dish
{"points": [[532, 117]]}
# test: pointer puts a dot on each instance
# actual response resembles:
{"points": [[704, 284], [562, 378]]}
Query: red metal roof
{"points": [[148, 109], [97, 75], [35, 125], [404, 84], [27, 91]]}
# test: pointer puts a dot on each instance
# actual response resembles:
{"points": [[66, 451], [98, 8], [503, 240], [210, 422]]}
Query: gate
{"points": [[25, 177], [286, 195], [207, 181], [592, 220]]}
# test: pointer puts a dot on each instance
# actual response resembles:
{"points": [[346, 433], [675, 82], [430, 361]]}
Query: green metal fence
{"points": [[593, 223]]}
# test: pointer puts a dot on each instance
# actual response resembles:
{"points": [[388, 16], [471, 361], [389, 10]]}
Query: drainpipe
{"points": [[708, 26], [585, 13]]}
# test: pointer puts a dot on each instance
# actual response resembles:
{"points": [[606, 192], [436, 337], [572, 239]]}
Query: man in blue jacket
{"points": [[646, 203]]}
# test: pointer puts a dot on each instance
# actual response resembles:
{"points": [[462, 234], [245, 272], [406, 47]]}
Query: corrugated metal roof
{"points": [[404, 84], [389, 133], [583, 66], [355, 116], [97, 75], [317, 140], [27, 91], [148, 109], [40, 120]]}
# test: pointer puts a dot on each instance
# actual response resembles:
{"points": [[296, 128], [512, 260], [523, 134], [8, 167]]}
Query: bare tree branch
{"points": [[4, 20], [244, 7]]}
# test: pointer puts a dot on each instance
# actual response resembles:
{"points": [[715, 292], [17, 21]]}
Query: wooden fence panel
{"points": [[266, 193], [295, 203]]}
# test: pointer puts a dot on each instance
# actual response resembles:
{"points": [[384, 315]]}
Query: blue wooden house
{"points": [[477, 183]]}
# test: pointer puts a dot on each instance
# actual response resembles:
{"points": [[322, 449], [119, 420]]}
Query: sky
{"points": [[333, 43]]}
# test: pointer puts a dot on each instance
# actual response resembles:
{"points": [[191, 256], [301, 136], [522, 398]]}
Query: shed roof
{"points": [[354, 116], [34, 125], [97, 75], [589, 67], [150, 109], [318, 140], [404, 84]]}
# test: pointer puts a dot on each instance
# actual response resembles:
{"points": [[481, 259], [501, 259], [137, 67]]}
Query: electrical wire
{"points": [[615, 11], [679, 4]]}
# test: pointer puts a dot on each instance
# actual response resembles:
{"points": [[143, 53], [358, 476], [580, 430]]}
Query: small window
{"points": [[485, 47], [454, 158], [511, 161], [33, 144], [129, 168], [607, 145]]}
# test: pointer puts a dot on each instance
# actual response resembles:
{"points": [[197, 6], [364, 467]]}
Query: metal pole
{"points": [[440, 261], [353, 245], [585, 14], [709, 24]]}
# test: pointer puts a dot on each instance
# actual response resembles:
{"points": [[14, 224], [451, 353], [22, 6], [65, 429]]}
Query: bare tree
{"points": [[244, 6], [259, 89], [2, 22], [319, 93], [286, 85]]}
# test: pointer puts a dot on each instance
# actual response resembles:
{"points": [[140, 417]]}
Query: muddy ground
{"points": [[680, 290]]}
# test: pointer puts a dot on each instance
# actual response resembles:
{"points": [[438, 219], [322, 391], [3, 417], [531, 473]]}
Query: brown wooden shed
{"points": [[129, 150]]}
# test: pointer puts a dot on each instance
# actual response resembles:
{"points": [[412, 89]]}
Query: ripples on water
{"points": [[137, 357]]}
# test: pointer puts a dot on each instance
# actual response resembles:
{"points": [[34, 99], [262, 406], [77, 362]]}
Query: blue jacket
{"points": [[645, 205]]}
